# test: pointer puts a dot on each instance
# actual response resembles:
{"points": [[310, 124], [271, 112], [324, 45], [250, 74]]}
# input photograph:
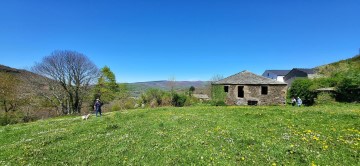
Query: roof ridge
{"points": [[232, 75], [247, 77]]}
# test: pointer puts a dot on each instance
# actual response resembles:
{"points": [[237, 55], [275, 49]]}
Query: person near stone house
{"points": [[97, 107], [293, 101], [299, 102]]}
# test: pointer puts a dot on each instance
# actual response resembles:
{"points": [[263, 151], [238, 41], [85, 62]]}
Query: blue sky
{"points": [[144, 40]]}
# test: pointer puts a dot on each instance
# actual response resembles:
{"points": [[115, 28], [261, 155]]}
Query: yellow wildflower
{"points": [[313, 163], [325, 147], [315, 138]]}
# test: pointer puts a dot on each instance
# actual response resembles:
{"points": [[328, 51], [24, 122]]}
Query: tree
{"points": [[191, 90], [51, 91], [73, 72], [9, 92], [106, 89], [171, 83]]}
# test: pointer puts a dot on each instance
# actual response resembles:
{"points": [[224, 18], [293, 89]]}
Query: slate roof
{"points": [[247, 78], [307, 71], [279, 72]]}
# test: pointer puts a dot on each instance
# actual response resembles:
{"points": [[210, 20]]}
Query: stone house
{"points": [[246, 88]]}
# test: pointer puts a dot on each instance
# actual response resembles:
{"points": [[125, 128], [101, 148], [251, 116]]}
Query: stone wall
{"points": [[276, 95]]}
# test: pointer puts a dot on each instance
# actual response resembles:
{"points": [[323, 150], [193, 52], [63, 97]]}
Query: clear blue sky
{"points": [[144, 40]]}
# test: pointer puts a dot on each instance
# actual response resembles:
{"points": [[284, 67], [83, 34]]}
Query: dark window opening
{"points": [[268, 74], [252, 102], [226, 89], [240, 91], [264, 90]]}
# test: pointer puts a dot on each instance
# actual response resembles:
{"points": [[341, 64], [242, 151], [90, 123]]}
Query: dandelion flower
{"points": [[315, 138], [325, 147], [313, 164]]}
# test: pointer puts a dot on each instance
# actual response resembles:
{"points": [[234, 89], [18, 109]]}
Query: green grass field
{"points": [[326, 135]]}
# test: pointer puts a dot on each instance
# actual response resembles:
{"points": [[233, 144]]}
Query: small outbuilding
{"points": [[202, 97], [246, 88]]}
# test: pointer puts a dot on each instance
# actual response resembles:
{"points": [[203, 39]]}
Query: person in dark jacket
{"points": [[97, 107], [293, 101]]}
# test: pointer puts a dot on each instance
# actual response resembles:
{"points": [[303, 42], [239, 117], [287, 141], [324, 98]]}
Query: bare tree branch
{"points": [[73, 72]]}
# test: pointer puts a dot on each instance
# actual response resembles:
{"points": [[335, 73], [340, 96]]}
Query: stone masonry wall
{"points": [[276, 95]]}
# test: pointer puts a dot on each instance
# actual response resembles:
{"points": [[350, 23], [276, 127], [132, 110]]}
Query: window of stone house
{"points": [[264, 90], [226, 89], [241, 91]]}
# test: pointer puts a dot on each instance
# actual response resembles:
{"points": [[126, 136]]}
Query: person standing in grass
{"points": [[299, 102], [97, 107], [293, 101]]}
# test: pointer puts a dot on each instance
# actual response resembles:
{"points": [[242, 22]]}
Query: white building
{"points": [[277, 75]]}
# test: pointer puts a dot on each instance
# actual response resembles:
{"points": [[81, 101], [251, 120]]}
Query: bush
{"points": [[166, 99], [348, 87], [302, 88], [217, 93], [120, 104], [218, 103], [324, 98], [151, 96], [179, 100], [9, 118]]}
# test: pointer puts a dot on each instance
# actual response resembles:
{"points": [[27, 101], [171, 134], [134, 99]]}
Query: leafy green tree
{"points": [[106, 89]]}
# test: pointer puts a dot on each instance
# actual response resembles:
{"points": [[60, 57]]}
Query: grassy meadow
{"points": [[202, 135]]}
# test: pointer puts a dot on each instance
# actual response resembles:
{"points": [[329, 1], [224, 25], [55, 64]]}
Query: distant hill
{"points": [[19, 73], [136, 89]]}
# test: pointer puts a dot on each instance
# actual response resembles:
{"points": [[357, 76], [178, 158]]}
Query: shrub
{"points": [[302, 88], [179, 100], [166, 99], [218, 103], [152, 95], [324, 98], [217, 93], [348, 87]]}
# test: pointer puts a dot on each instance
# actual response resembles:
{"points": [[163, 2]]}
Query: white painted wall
{"points": [[270, 75], [280, 78], [273, 76]]}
